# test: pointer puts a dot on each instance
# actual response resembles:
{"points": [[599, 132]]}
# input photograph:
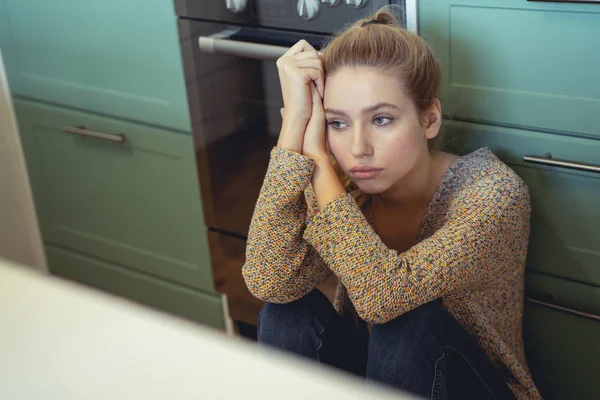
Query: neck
{"points": [[416, 188]]}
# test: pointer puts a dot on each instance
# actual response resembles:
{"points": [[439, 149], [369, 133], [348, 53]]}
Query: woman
{"points": [[429, 248]]}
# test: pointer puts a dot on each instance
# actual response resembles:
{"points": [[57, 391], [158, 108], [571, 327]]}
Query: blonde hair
{"points": [[381, 42]]}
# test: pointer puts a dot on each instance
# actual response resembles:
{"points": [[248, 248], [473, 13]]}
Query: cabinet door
{"points": [[113, 57], [565, 220], [518, 63], [562, 351], [135, 203], [175, 299]]}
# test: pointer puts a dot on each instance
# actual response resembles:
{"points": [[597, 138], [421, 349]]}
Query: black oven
{"points": [[229, 48]]}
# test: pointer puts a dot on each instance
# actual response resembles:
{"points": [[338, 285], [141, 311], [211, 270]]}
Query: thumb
{"points": [[317, 118], [282, 112], [317, 101]]}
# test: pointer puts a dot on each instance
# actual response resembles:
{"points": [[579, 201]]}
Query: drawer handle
{"points": [[591, 316], [82, 131], [548, 160]]}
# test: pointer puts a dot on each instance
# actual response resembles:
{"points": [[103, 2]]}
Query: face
{"points": [[373, 129]]}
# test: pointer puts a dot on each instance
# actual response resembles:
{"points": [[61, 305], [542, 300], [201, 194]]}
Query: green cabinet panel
{"points": [[518, 63], [562, 352], [565, 293], [565, 230], [136, 203], [185, 302], [112, 57]]}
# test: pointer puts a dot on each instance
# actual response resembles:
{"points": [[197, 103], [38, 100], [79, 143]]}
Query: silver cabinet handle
{"points": [[82, 131], [591, 316], [219, 43], [548, 160]]}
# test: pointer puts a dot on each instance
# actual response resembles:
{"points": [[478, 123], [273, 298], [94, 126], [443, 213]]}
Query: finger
{"points": [[299, 47], [282, 112], [317, 102], [307, 55], [316, 75], [314, 63], [320, 84], [316, 123]]}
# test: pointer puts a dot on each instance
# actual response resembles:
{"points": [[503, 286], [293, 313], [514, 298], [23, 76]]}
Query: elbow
{"points": [[379, 307], [265, 286], [373, 312]]}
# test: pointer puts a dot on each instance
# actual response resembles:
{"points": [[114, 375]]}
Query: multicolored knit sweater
{"points": [[471, 252]]}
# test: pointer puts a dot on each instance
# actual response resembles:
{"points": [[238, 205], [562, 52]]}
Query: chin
{"points": [[371, 187]]}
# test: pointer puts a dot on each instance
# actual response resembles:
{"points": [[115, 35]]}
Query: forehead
{"points": [[356, 87]]}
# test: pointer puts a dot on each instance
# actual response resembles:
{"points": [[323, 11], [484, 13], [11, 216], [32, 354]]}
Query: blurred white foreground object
{"points": [[62, 341], [20, 238]]}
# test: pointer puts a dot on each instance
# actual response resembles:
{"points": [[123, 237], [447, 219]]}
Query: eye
{"points": [[337, 125], [382, 121]]}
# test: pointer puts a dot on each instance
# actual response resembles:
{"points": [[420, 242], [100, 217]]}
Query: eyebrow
{"points": [[364, 110]]}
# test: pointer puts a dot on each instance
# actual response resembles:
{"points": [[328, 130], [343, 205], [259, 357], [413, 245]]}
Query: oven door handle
{"points": [[215, 44]]}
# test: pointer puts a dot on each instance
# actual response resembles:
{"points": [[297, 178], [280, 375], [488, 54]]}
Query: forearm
{"points": [[280, 266], [292, 133], [383, 284], [326, 183], [374, 275]]}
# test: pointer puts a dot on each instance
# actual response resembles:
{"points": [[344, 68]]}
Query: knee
{"points": [[403, 351], [303, 317], [425, 318], [418, 328]]}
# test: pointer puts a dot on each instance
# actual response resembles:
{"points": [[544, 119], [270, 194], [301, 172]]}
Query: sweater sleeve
{"points": [[280, 265], [484, 231]]}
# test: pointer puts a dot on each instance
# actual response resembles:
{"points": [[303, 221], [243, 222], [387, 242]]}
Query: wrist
{"points": [[291, 135], [322, 161], [326, 183]]}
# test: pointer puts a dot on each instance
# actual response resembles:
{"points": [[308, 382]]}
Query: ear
{"points": [[433, 120]]}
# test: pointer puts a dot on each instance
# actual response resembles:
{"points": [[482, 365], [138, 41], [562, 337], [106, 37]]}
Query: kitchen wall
{"points": [[20, 239]]}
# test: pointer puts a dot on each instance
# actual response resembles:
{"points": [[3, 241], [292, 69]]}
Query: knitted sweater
{"points": [[471, 252]]}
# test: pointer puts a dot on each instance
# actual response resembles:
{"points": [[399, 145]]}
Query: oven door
{"points": [[234, 97]]}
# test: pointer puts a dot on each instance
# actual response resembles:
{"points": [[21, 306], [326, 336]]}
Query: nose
{"points": [[361, 143]]}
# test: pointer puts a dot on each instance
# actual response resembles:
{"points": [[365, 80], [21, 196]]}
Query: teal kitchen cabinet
{"points": [[518, 63], [565, 222], [135, 203], [583, 297], [182, 301], [562, 352], [563, 264], [112, 57]]}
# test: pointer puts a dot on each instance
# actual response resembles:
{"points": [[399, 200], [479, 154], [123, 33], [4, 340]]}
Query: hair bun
{"points": [[385, 16]]}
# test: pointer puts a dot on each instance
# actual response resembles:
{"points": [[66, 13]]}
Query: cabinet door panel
{"points": [[113, 57], [562, 352], [518, 63], [565, 222], [174, 299], [136, 204]]}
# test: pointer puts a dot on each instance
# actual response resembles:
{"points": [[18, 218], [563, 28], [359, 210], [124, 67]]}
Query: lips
{"points": [[364, 172]]}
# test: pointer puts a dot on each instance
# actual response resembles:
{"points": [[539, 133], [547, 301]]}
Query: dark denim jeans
{"points": [[425, 351]]}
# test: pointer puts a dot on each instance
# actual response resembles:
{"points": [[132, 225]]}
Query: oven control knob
{"points": [[331, 3], [236, 6], [356, 3], [308, 9]]}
